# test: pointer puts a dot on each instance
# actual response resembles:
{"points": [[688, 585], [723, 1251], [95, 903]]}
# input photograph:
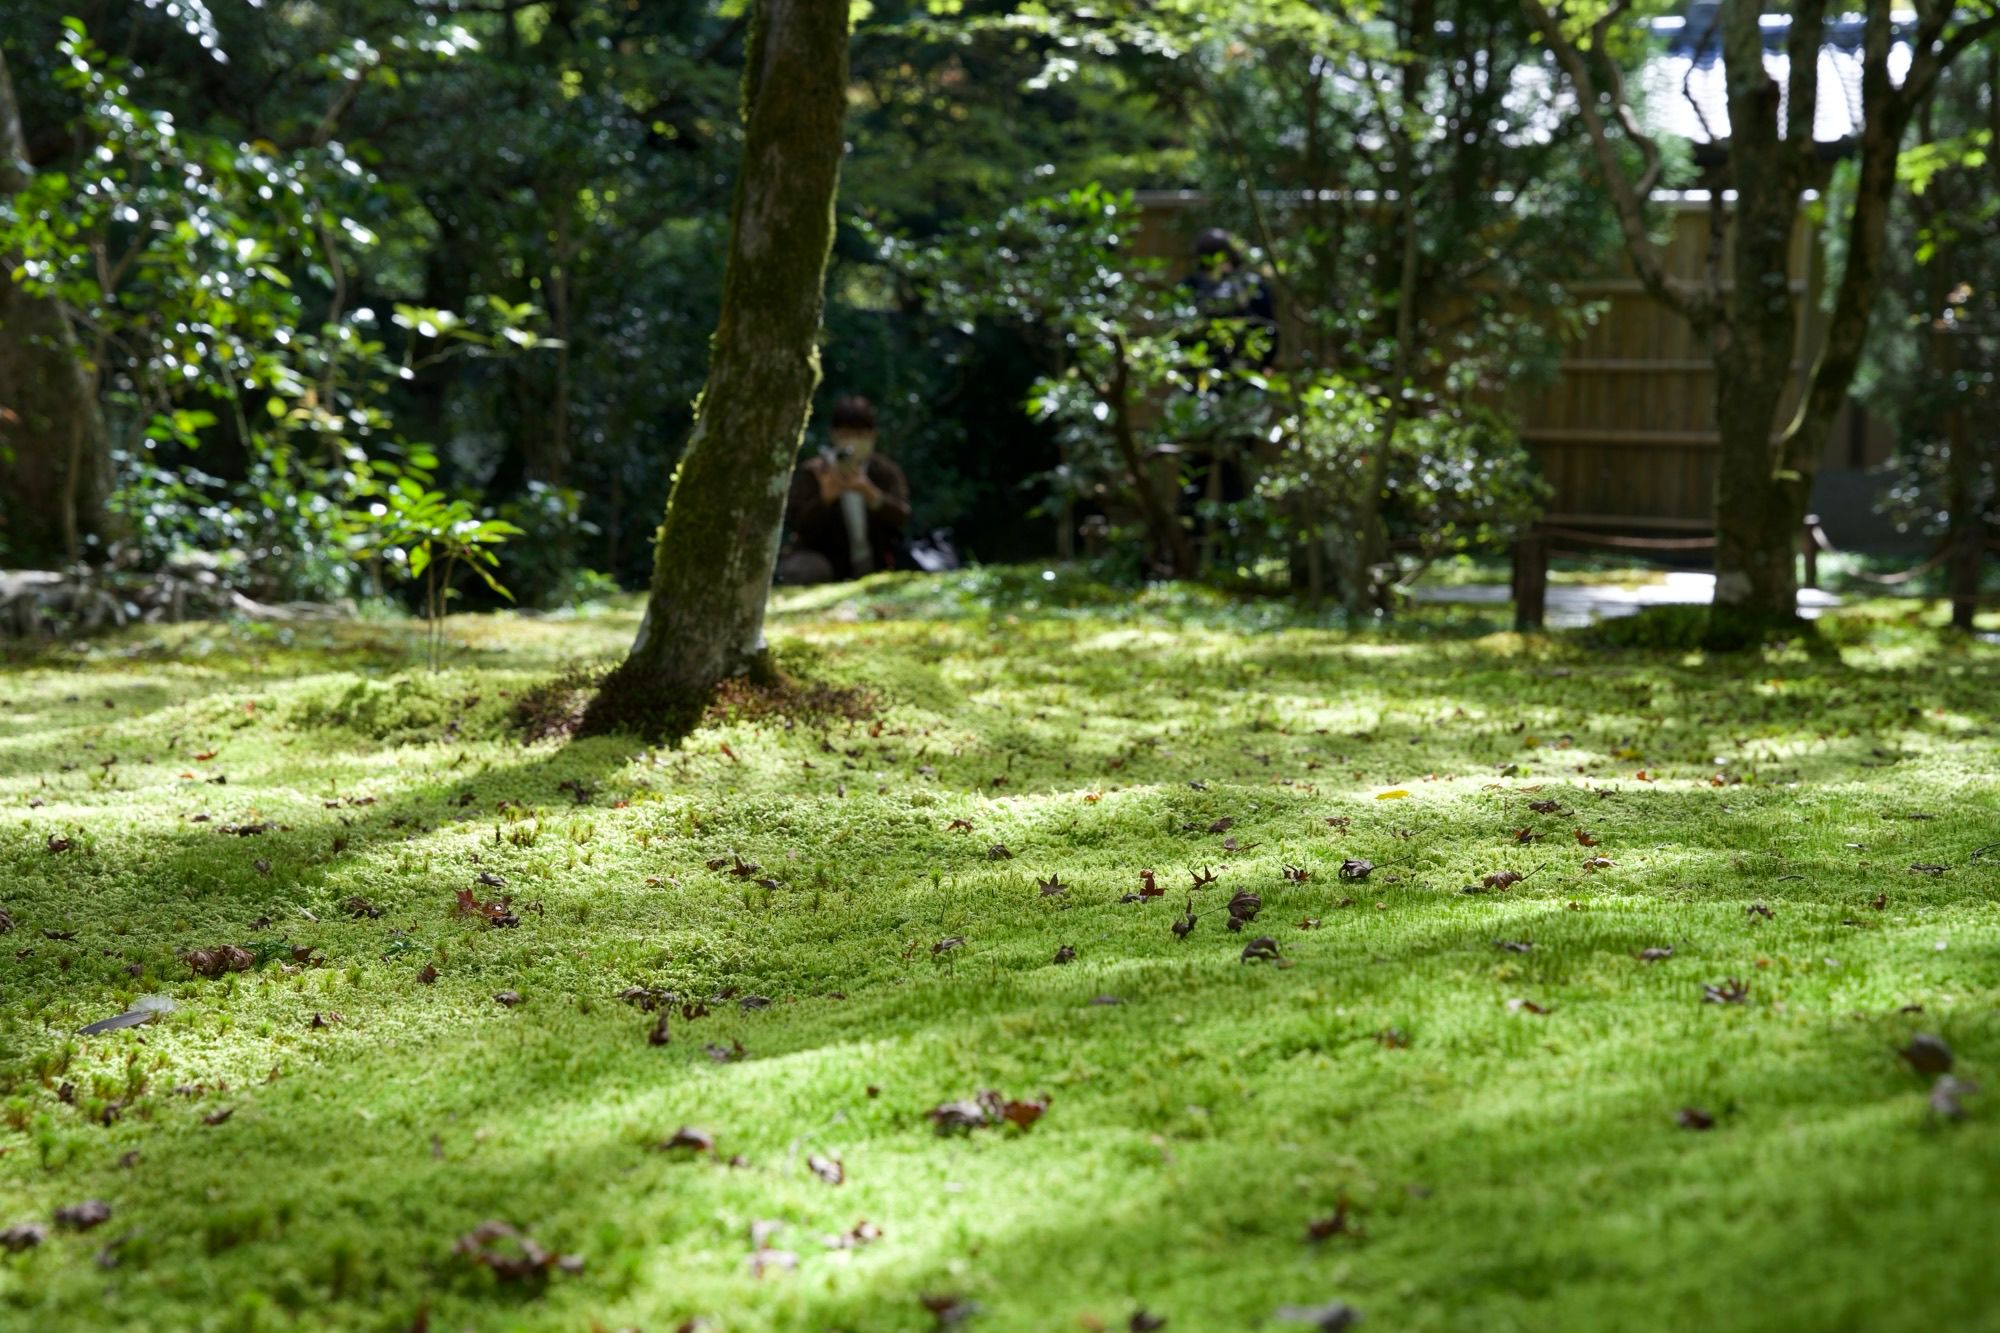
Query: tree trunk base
{"points": [[1735, 629], [635, 702]]}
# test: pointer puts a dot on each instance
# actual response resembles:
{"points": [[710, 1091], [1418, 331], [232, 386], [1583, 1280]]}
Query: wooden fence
{"points": [[1625, 435]]}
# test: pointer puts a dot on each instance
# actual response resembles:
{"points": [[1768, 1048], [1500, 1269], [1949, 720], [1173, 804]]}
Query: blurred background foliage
{"points": [[321, 254]]}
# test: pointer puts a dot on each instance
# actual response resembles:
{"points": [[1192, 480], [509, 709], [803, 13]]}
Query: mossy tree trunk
{"points": [[1753, 337], [1765, 465], [55, 463], [718, 546]]}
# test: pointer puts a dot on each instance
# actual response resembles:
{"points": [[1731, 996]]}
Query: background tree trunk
{"points": [[1756, 530], [55, 462], [717, 548], [1765, 468]]}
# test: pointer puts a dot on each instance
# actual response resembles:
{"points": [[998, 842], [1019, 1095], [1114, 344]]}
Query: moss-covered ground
{"points": [[1478, 1096]]}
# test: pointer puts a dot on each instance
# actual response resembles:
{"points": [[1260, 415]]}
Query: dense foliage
{"points": [[319, 256]]}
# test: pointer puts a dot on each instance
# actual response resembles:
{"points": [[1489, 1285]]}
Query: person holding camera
{"points": [[848, 504]]}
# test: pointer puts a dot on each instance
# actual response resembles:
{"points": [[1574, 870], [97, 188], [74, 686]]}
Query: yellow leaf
{"points": [[1396, 795]]}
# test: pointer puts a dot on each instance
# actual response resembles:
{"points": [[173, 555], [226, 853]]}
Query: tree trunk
{"points": [[55, 462], [1757, 515], [1169, 549], [1755, 585], [717, 548], [1758, 506]]}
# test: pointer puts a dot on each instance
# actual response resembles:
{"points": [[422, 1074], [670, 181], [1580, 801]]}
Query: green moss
{"points": [[1505, 1168], [406, 708]]}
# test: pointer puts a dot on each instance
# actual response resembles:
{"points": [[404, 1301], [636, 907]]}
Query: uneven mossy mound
{"points": [[405, 709], [784, 687]]}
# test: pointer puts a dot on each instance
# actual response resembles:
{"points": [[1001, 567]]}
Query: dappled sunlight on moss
{"points": [[1505, 1166]]}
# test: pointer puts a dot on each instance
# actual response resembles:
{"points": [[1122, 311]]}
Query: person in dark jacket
{"points": [[1225, 288], [848, 504]]}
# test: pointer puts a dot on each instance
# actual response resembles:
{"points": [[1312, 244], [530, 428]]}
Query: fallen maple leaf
{"points": [[495, 913], [645, 998], [512, 1255], [1263, 949], [1022, 1114], [1339, 1222], [689, 1138], [1585, 837], [861, 1233], [1729, 991], [949, 1309], [223, 958], [1693, 1117], [826, 1168], [1243, 907], [957, 1116], [23, 1236], [1927, 1053], [83, 1216]]}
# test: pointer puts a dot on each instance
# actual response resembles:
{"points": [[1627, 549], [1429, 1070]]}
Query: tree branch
{"points": [[1627, 197], [1931, 52], [1802, 44], [1886, 115]]}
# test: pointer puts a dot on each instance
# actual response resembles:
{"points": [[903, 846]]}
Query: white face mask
{"points": [[853, 447]]}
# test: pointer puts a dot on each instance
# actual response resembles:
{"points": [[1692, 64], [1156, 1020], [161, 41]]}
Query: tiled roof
{"points": [[1683, 92]]}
